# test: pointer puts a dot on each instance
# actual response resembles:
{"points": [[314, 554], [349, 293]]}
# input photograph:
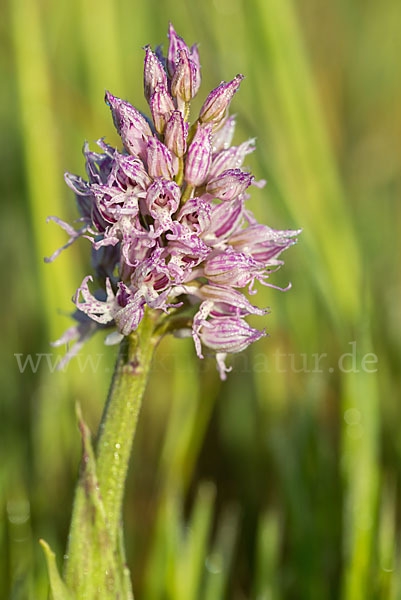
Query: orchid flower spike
{"points": [[167, 219]]}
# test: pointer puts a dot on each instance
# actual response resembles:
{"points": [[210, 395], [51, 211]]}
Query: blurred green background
{"points": [[283, 482]]}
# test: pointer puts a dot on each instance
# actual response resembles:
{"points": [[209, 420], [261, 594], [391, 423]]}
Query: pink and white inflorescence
{"points": [[167, 216]]}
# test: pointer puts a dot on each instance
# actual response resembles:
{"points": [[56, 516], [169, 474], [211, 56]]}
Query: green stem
{"points": [[187, 194], [180, 175], [94, 563], [118, 425]]}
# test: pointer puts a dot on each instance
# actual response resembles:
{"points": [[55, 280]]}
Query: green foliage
{"points": [[58, 589], [94, 566], [283, 482]]}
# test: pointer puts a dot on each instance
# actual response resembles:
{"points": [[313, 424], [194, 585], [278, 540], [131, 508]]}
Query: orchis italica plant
{"points": [[172, 246]]}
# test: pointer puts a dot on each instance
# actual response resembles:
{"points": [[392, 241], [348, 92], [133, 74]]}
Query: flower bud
{"points": [[217, 102], [161, 106], [130, 124], [226, 334], [160, 161], [229, 184], [262, 242], [176, 44], [185, 78], [175, 134], [229, 302], [199, 156], [153, 74], [231, 268]]}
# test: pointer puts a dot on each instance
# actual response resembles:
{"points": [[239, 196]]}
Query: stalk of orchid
{"points": [[172, 245]]}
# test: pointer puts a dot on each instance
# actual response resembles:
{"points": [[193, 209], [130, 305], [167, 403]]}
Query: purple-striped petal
{"points": [[153, 74], [263, 243], [228, 301], [226, 334], [223, 137], [232, 268], [159, 159], [132, 126], [161, 106], [225, 219], [229, 184], [231, 158], [185, 79], [199, 156], [176, 43], [175, 135], [218, 101]]}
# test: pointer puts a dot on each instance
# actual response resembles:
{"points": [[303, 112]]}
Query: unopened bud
{"points": [[153, 73], [176, 44], [175, 135], [199, 156], [130, 124], [229, 184], [184, 79], [228, 334], [161, 106], [217, 102], [231, 268], [160, 160]]}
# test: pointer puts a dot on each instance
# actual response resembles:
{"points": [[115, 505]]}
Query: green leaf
{"points": [[59, 590], [94, 568]]}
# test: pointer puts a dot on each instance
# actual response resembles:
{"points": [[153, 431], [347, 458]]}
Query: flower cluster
{"points": [[166, 217]]}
